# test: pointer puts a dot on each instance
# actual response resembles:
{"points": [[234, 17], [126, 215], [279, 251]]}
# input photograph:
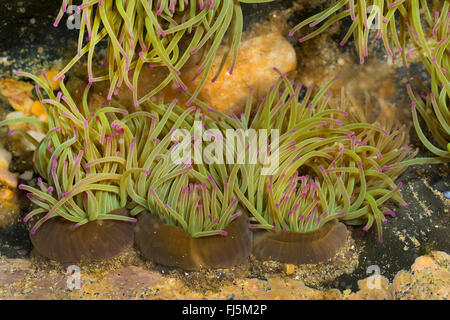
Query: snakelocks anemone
{"points": [[99, 168], [333, 166], [188, 213], [433, 106], [154, 32], [390, 20], [82, 162]]}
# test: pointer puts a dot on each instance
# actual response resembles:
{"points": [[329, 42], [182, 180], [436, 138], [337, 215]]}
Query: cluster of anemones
{"points": [[399, 23], [153, 32], [392, 21], [112, 165], [332, 164]]}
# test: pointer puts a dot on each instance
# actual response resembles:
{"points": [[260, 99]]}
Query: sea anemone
{"points": [[433, 106], [97, 240], [141, 32], [180, 192], [333, 165], [392, 21], [434, 110], [173, 246], [187, 211], [108, 165], [82, 163], [301, 248]]}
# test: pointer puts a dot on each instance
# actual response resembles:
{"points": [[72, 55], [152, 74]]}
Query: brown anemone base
{"points": [[57, 239], [174, 247], [301, 248]]}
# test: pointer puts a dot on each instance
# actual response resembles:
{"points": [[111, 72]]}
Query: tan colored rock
{"points": [[20, 279], [18, 94], [430, 279], [126, 283], [252, 285], [375, 287], [288, 289], [8, 178], [9, 204], [332, 294], [254, 68], [289, 269], [423, 262], [12, 270], [402, 283], [441, 258]]}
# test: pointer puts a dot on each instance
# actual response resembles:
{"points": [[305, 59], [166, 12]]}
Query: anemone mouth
{"points": [[301, 248], [57, 239], [174, 247]]}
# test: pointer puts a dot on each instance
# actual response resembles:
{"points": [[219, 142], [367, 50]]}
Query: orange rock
{"points": [[423, 262], [375, 287], [50, 75], [6, 177], [441, 258], [402, 284], [289, 269], [254, 69], [9, 206], [38, 110], [18, 94], [6, 194]]}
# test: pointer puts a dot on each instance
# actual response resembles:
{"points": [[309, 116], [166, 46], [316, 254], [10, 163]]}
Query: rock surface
{"points": [[429, 278]]}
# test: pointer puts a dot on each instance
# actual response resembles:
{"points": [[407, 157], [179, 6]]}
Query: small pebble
{"points": [[27, 175], [289, 269]]}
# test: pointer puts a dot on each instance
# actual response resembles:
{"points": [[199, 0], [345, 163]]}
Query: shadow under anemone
{"points": [[174, 247], [58, 240]]}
